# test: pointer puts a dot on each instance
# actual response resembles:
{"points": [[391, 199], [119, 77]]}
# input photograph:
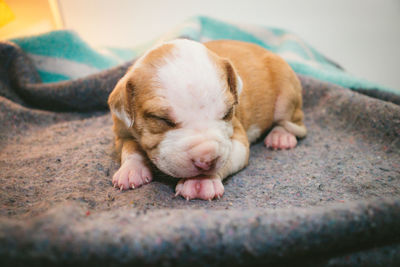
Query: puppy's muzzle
{"points": [[205, 165], [204, 156]]}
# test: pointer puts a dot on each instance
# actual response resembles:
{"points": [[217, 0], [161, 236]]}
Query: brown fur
{"points": [[146, 130], [265, 77]]}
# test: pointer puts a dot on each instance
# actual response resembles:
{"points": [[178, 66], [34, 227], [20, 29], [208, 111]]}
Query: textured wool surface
{"points": [[334, 200]]}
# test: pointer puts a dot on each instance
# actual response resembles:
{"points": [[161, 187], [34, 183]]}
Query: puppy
{"points": [[192, 109]]}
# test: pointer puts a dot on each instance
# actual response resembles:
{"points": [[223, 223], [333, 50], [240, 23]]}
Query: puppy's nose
{"points": [[204, 165]]}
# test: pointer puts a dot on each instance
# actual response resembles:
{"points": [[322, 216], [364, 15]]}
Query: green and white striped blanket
{"points": [[63, 55]]}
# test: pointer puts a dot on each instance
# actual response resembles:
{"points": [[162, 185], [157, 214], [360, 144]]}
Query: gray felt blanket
{"points": [[334, 200]]}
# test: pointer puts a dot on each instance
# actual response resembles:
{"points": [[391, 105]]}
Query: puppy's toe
{"points": [[132, 174], [121, 179], [280, 138], [200, 188], [291, 141]]}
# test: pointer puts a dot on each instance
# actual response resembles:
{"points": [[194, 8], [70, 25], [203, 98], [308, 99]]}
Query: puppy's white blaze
{"points": [[191, 82], [253, 133], [238, 157], [123, 117]]}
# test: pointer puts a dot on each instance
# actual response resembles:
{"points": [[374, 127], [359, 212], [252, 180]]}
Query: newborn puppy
{"points": [[192, 109]]}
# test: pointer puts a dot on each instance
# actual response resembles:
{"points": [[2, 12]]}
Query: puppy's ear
{"points": [[234, 81], [120, 100]]}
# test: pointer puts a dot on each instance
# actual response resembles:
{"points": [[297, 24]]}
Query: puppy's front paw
{"points": [[280, 138], [202, 188], [132, 174]]}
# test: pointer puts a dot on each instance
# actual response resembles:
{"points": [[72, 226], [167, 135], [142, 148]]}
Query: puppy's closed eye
{"points": [[162, 120], [228, 115]]}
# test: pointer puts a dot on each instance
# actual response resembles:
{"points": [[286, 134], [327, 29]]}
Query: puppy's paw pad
{"points": [[201, 188], [279, 138], [132, 174]]}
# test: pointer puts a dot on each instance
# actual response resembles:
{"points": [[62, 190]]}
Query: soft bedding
{"points": [[332, 201]]}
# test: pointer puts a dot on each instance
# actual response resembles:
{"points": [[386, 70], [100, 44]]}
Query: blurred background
{"points": [[363, 36]]}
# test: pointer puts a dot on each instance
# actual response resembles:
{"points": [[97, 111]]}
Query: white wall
{"points": [[361, 35]]}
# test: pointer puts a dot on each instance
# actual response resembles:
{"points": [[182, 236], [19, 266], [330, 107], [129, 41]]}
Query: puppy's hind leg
{"points": [[288, 120]]}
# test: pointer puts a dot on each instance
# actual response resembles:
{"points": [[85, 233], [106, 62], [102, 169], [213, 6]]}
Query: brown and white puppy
{"points": [[192, 109]]}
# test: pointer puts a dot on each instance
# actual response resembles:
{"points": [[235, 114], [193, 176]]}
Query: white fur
{"points": [[253, 133], [131, 156], [297, 130], [121, 114], [237, 159], [239, 86], [238, 156]]}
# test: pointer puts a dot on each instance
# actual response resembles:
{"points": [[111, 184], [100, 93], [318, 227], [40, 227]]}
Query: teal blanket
{"points": [[63, 55]]}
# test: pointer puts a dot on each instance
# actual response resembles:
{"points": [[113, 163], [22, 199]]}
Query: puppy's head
{"points": [[178, 101]]}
